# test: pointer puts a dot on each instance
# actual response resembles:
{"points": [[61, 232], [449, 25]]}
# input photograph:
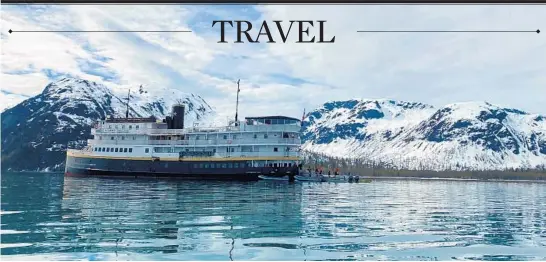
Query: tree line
{"points": [[414, 168]]}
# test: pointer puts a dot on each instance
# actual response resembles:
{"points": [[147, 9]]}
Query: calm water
{"points": [[47, 216]]}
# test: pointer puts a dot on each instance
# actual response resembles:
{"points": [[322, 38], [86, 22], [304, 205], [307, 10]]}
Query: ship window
{"points": [[255, 136], [147, 150], [225, 136], [224, 165], [275, 165], [214, 150], [235, 165], [122, 126], [136, 126], [201, 165], [107, 149], [116, 149], [234, 137], [285, 164], [130, 150], [230, 165], [206, 165], [194, 165], [218, 165], [111, 138], [275, 149], [134, 138], [265, 135], [130, 127], [232, 149], [196, 137], [100, 137], [122, 138], [125, 150], [268, 121]]}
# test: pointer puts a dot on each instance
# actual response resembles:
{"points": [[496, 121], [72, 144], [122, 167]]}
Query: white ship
{"points": [[242, 150]]}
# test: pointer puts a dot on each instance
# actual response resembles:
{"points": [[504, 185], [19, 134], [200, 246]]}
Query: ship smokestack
{"points": [[178, 117]]}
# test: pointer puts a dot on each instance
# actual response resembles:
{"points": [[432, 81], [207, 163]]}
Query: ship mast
{"points": [[128, 97], [237, 104]]}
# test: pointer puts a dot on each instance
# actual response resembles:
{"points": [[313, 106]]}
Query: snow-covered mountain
{"points": [[36, 132], [474, 135], [469, 136]]}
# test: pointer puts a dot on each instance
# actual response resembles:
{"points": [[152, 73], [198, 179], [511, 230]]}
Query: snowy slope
{"points": [[36, 132], [470, 136]]}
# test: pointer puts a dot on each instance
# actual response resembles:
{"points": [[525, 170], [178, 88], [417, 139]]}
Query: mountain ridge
{"points": [[460, 136], [398, 134], [61, 116]]}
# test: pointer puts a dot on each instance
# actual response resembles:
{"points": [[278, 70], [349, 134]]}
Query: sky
{"points": [[505, 69]]}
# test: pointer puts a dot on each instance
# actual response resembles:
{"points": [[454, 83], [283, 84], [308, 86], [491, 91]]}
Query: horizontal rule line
{"points": [[447, 31], [105, 31]]}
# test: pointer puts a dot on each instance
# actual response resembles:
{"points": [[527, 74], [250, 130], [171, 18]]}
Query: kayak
{"points": [[282, 178]]}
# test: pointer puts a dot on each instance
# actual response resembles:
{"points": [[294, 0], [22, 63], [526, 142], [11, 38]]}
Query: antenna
{"points": [[128, 97], [237, 104]]}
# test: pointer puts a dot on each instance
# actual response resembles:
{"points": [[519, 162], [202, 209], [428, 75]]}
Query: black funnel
{"points": [[178, 117]]}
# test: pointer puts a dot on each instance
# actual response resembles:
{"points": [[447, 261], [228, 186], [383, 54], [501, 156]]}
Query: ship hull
{"points": [[211, 169]]}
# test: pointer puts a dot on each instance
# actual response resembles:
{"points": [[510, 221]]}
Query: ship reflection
{"points": [[177, 216]]}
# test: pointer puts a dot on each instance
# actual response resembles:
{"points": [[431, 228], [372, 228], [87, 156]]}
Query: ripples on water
{"points": [[47, 216]]}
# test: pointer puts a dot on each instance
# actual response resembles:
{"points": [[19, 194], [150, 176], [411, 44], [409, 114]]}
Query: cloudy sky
{"points": [[507, 69]]}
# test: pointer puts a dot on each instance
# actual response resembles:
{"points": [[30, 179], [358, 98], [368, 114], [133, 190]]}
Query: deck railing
{"points": [[204, 142], [200, 130]]}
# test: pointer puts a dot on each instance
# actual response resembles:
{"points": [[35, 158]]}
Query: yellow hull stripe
{"points": [[83, 155]]}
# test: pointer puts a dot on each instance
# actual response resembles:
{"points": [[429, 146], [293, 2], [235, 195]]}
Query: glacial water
{"points": [[48, 216]]}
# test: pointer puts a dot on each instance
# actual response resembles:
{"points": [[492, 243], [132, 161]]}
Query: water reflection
{"points": [[51, 217]]}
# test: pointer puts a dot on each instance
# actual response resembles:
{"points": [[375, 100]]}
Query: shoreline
{"points": [[451, 179]]}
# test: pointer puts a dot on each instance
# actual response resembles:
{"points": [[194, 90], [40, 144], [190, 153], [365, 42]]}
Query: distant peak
{"points": [[73, 85], [482, 105]]}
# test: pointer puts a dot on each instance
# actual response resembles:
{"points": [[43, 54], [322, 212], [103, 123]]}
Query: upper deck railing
{"points": [[199, 130], [203, 142]]}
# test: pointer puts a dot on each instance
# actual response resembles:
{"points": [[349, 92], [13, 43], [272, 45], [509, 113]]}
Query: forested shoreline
{"points": [[366, 168]]}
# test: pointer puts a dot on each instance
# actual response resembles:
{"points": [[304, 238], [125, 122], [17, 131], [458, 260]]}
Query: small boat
{"points": [[337, 179], [311, 178], [281, 178]]}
